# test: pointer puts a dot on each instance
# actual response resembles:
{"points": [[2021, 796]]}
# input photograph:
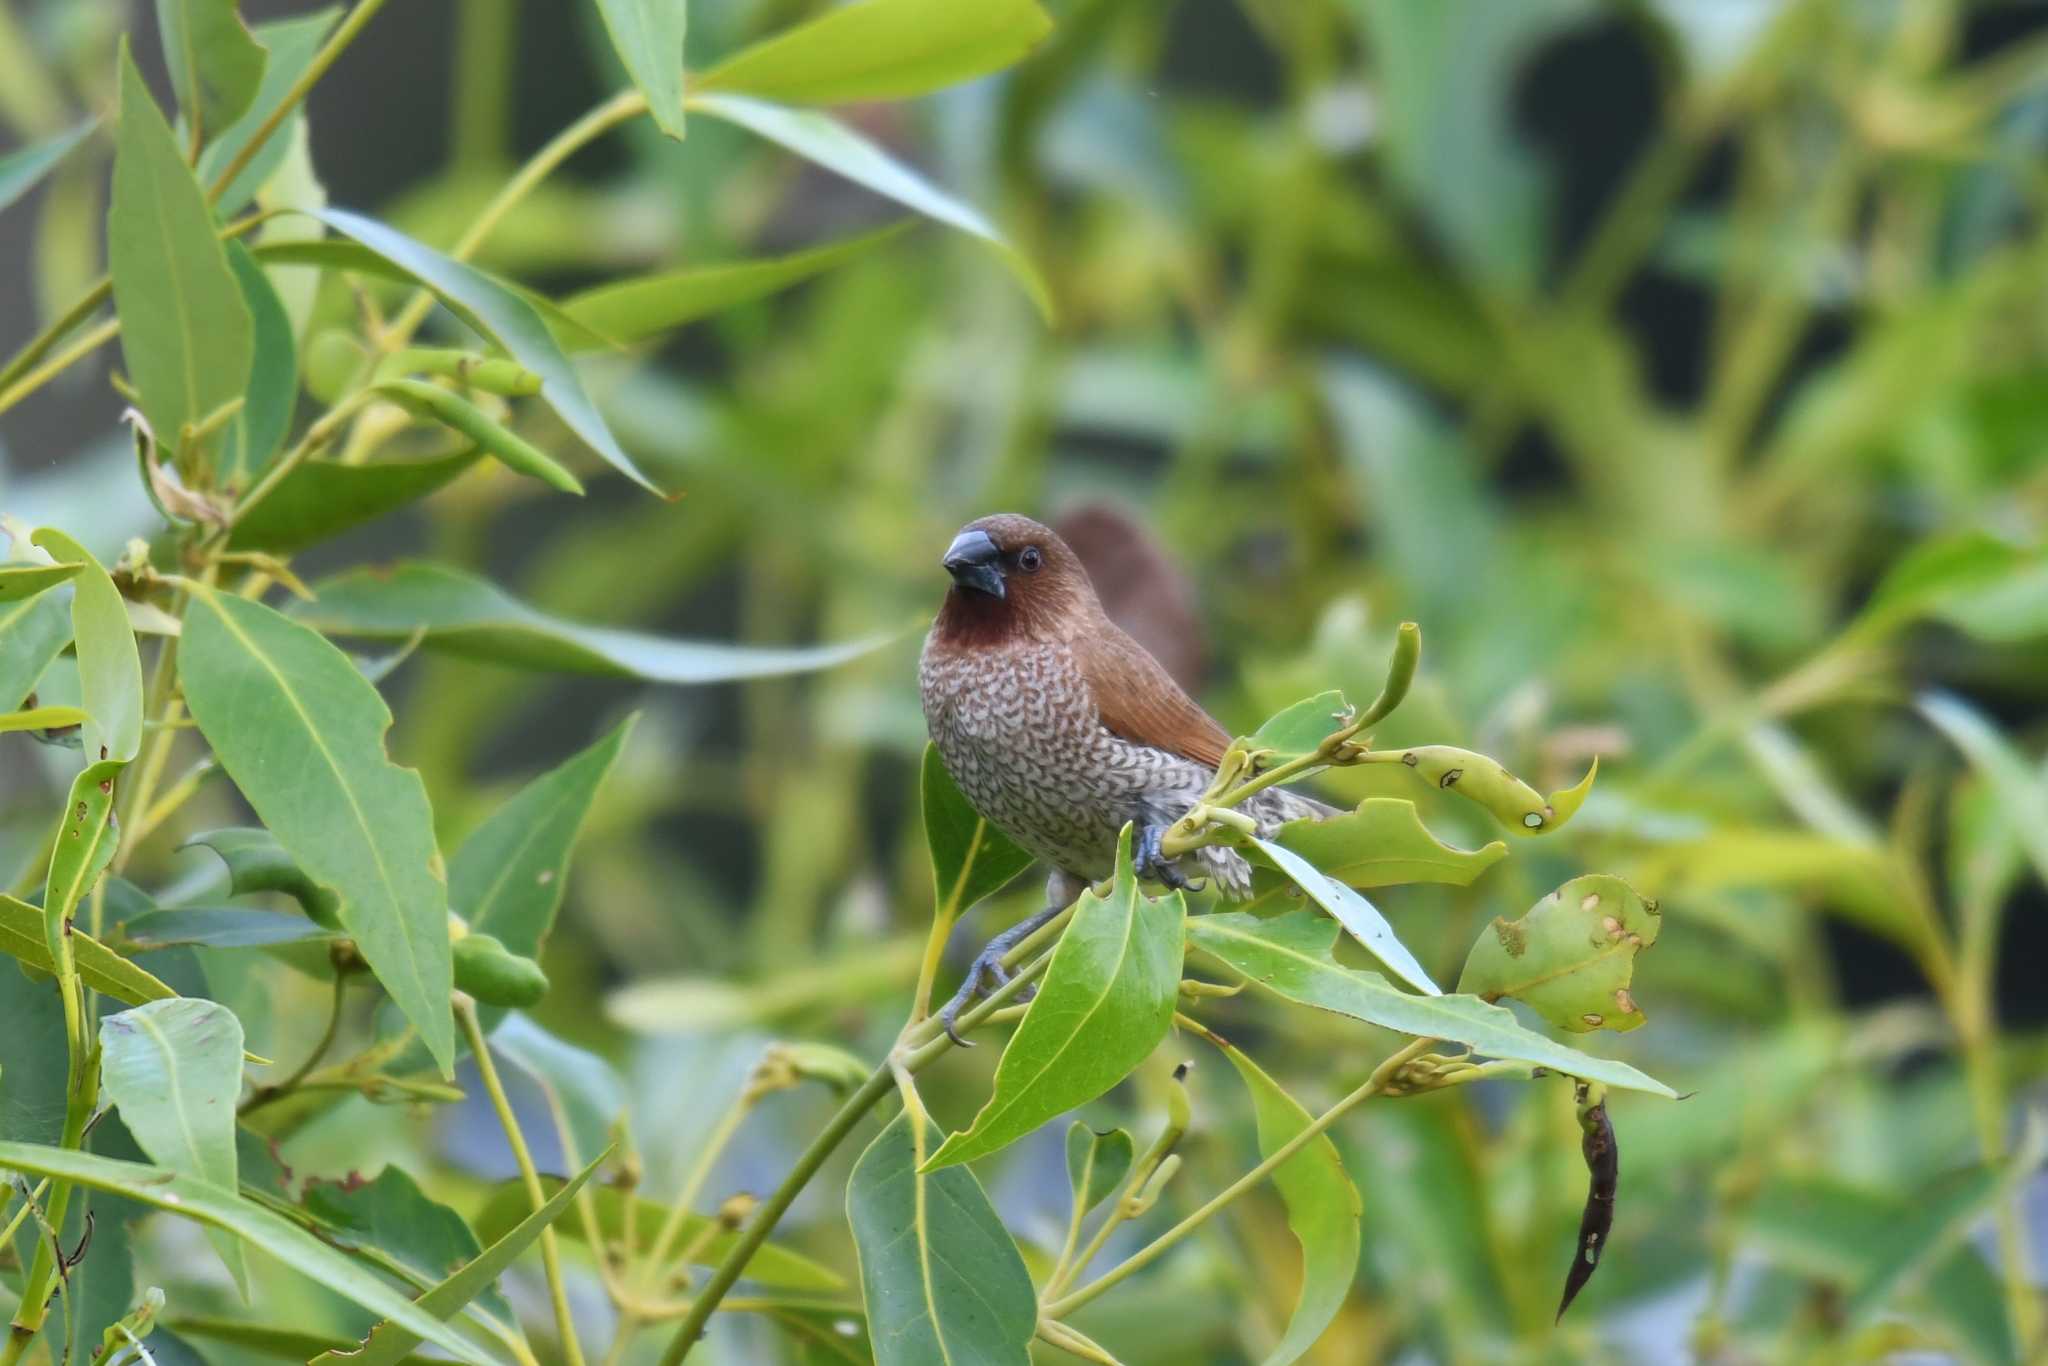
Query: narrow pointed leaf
{"points": [[23, 167], [220, 927], [24, 581], [391, 1341], [1323, 1208], [186, 334], [223, 1209], [635, 310], [1382, 844], [256, 862], [507, 877], [824, 140], [216, 64], [174, 1070], [255, 433], [321, 499], [465, 615], [883, 50], [42, 718], [99, 967], [1290, 956], [84, 846], [2020, 789], [391, 1215], [1096, 1163], [109, 669], [1105, 1002], [1570, 957], [1359, 917], [971, 859], [943, 1283], [301, 732], [648, 37], [1298, 730], [501, 314]]}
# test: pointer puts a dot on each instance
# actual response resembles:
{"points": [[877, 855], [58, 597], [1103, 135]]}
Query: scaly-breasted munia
{"points": [[1060, 728]]}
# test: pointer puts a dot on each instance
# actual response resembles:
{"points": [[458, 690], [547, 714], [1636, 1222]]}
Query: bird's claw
{"points": [[986, 973], [1152, 863]]}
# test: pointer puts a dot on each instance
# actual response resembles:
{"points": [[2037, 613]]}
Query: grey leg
{"points": [[987, 972]]}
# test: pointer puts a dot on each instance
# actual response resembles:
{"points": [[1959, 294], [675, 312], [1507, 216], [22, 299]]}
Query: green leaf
{"points": [[2020, 790], [1359, 917], [1105, 1002], [216, 64], [256, 862], [634, 310], [275, 1341], [393, 1215], [256, 432], [174, 1070], [23, 167], [1096, 1163], [459, 415], [206, 1203], [1383, 843], [321, 499], [99, 967], [84, 846], [1570, 957], [109, 669], [971, 859], [302, 735], [186, 335], [507, 877], [883, 50], [42, 718], [942, 1281], [824, 140], [1289, 955], [1854, 880], [773, 1265], [465, 615], [292, 44], [501, 314], [1300, 729], [648, 37], [33, 632], [390, 1342], [220, 927], [21, 582], [1323, 1208]]}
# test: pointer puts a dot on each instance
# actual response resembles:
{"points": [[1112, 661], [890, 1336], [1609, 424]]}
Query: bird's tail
{"points": [[1272, 809]]}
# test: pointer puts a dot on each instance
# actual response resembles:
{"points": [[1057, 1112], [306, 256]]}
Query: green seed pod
{"points": [[491, 374], [1515, 804], [333, 360], [495, 975], [453, 411]]}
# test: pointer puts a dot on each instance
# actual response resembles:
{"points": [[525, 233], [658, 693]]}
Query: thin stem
{"points": [[550, 1251], [625, 105], [58, 329], [943, 920], [1159, 1246], [27, 1207], [316, 436], [329, 51], [63, 360], [265, 1094], [700, 1172]]}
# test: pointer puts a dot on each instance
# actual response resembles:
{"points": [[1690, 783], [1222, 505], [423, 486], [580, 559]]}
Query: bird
{"points": [[1060, 729]]}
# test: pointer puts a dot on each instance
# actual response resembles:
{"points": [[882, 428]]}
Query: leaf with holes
{"points": [[1570, 957], [1382, 844]]}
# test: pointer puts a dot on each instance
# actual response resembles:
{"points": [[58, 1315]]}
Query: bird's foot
{"points": [[1150, 862], [986, 972]]}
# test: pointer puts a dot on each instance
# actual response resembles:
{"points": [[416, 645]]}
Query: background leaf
{"points": [[462, 614], [647, 35], [302, 735], [33, 632], [186, 335], [882, 50], [174, 1069], [21, 168], [391, 1213], [109, 668], [292, 44], [1299, 729], [1104, 1004], [1096, 1163], [216, 64], [1290, 955], [940, 1277], [256, 432]]}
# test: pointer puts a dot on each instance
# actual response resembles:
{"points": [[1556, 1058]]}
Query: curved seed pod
{"points": [[458, 414], [1475, 777], [1603, 1166], [495, 975], [492, 374], [1400, 673]]}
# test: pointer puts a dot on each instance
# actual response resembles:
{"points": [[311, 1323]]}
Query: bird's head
{"points": [[1011, 574]]}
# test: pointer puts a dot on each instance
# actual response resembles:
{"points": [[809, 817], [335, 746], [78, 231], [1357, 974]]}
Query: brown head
{"points": [[1013, 577]]}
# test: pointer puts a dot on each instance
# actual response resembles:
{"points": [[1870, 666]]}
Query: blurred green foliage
{"points": [[1704, 437]]}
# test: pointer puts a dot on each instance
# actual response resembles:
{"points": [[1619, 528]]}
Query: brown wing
{"points": [[1139, 701]]}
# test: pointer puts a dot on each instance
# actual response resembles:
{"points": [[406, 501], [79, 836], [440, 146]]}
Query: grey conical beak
{"points": [[974, 562]]}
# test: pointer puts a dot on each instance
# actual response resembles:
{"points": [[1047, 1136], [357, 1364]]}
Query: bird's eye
{"points": [[1028, 559]]}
